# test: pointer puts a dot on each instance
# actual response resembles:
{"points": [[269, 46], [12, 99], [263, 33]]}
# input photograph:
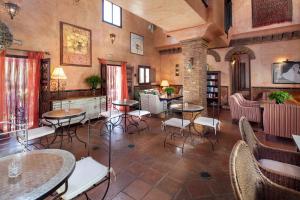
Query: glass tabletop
{"points": [[187, 107], [63, 113], [125, 102], [42, 172]]}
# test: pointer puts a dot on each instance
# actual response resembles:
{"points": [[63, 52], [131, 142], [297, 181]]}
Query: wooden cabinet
{"points": [[91, 105], [213, 88]]}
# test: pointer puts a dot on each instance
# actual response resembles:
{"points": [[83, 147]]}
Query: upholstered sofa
{"points": [[238, 109], [281, 119], [152, 103]]}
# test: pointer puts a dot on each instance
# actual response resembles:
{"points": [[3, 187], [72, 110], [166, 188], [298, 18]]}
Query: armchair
{"points": [[246, 102], [281, 119], [151, 103], [282, 167], [249, 183], [237, 110]]}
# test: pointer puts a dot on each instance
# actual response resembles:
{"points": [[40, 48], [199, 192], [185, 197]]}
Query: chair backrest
{"points": [[281, 119], [240, 97], [234, 107], [144, 101], [244, 173], [248, 135], [247, 180]]}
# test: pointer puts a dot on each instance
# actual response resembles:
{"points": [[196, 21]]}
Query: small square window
{"points": [[111, 13], [144, 75]]}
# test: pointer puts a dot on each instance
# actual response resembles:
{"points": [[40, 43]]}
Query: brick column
{"points": [[195, 82]]}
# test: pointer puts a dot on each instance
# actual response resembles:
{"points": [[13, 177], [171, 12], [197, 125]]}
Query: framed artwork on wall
{"points": [[136, 44], [287, 72], [75, 45]]}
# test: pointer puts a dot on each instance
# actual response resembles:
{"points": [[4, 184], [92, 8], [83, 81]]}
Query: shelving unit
{"points": [[213, 88]]}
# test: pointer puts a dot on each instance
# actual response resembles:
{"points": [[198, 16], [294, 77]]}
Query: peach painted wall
{"points": [[168, 63], [242, 17], [37, 25], [261, 67]]}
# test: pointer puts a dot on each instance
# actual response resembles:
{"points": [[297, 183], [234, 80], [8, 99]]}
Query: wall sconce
{"points": [[12, 9], [112, 37], [190, 64]]}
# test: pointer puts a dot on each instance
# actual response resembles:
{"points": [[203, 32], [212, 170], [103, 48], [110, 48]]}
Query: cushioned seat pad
{"points": [[176, 122], [87, 173], [40, 132], [283, 168], [139, 113]]}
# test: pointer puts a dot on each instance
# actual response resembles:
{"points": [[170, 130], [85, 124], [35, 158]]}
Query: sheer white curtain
{"points": [[114, 83]]}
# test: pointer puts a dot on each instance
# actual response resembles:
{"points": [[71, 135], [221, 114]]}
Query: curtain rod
{"points": [[112, 60], [12, 49]]}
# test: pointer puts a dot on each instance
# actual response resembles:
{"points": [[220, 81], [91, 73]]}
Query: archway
{"points": [[240, 68]]}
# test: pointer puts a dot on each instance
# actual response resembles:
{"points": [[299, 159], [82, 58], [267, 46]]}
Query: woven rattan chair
{"points": [[249, 183], [281, 166]]}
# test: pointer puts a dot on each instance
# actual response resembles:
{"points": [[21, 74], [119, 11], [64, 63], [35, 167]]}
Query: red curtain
{"points": [[2, 90], [124, 90], [34, 61]]}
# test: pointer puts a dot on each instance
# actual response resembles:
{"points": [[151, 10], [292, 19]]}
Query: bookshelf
{"points": [[213, 88]]}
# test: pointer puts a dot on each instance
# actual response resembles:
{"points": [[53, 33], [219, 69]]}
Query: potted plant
{"points": [[279, 96], [93, 81], [169, 90]]}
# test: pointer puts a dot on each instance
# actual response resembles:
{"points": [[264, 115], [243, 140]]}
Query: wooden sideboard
{"points": [[91, 105]]}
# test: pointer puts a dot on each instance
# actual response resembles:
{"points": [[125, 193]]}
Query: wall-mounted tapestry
{"points": [[75, 45], [136, 44], [286, 72], [266, 12]]}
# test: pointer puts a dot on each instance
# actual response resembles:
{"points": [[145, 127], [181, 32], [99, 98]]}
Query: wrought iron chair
{"points": [[88, 172], [137, 117], [171, 126], [210, 122], [249, 183]]}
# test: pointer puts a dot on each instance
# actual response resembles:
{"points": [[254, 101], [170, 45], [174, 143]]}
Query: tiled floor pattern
{"points": [[149, 171]]}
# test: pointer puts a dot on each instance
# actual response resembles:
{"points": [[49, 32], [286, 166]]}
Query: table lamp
{"points": [[58, 74], [164, 84]]}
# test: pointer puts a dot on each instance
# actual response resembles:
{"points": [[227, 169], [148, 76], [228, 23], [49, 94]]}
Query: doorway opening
{"points": [[241, 74]]}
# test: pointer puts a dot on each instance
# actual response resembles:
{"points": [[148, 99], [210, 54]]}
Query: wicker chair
{"points": [[280, 166], [249, 183]]}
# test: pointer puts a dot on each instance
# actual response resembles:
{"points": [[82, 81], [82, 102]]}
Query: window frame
{"points": [[144, 67], [112, 12]]}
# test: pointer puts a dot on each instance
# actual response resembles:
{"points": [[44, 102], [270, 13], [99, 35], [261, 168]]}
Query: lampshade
{"points": [[164, 83], [58, 73]]}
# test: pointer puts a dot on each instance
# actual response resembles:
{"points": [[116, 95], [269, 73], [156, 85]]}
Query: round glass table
{"points": [[62, 118], [43, 171], [126, 104]]}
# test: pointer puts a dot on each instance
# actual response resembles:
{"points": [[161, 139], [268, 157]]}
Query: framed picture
{"points": [[136, 44], [286, 72], [75, 45]]}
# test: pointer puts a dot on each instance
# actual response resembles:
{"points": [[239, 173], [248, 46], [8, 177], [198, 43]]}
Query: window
{"points": [[111, 13], [144, 75]]}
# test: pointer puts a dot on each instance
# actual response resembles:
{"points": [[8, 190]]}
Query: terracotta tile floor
{"points": [[151, 172]]}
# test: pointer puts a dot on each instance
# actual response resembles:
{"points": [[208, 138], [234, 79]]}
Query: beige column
{"points": [[195, 81]]}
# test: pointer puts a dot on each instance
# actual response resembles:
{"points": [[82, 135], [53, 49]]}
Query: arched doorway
{"points": [[240, 66]]}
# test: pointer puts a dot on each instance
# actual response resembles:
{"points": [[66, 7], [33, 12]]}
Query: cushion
{"points": [[111, 114], [207, 121], [176, 122], [283, 168], [139, 113], [40, 132], [87, 173]]}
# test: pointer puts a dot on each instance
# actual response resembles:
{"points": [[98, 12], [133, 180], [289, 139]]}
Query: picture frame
{"points": [[136, 44], [287, 72], [75, 45]]}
